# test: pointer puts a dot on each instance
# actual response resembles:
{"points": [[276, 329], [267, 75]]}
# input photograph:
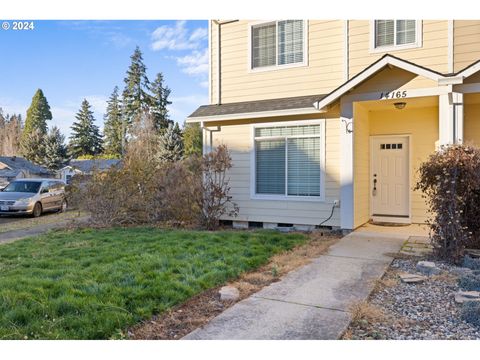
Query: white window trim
{"points": [[254, 195], [390, 48], [276, 67]]}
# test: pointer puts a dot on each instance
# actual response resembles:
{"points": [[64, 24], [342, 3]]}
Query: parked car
{"points": [[33, 197]]}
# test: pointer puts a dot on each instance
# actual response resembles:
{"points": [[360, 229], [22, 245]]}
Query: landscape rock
{"points": [[412, 278], [229, 293], [464, 296], [425, 311], [428, 268]]}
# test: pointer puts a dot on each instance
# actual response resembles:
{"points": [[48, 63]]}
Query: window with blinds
{"points": [[288, 160], [277, 43], [395, 32]]}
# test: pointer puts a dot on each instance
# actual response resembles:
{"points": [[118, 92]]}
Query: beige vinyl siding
{"points": [[466, 45], [323, 72], [361, 165], [238, 138], [432, 54]]}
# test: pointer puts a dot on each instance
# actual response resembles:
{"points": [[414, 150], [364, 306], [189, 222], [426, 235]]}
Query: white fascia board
{"points": [[388, 60], [470, 70], [254, 115], [451, 80]]}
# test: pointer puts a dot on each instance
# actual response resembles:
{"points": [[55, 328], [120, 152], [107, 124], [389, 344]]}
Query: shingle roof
{"points": [[87, 166], [7, 173], [20, 163], [290, 103]]}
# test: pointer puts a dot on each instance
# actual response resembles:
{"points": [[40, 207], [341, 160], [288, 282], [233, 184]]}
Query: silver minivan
{"points": [[33, 197]]}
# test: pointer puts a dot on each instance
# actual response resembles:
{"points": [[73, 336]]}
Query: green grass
{"points": [[93, 284]]}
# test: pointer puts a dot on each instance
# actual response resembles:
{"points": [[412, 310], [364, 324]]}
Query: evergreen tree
{"points": [[36, 122], [33, 147], [192, 139], [114, 130], [159, 103], [170, 145], [55, 150], [135, 96], [85, 138], [10, 134]]}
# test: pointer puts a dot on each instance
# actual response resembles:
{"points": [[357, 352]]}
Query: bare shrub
{"points": [[215, 188], [189, 192], [450, 181]]}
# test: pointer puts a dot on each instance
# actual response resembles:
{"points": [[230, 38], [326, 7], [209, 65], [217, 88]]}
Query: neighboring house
{"points": [[85, 167], [15, 167], [325, 113]]}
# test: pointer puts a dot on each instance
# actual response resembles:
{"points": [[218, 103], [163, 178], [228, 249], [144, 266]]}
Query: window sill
{"points": [[392, 48], [277, 67], [288, 198]]}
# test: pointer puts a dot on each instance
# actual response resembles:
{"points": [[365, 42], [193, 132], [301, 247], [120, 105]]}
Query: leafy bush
{"points": [[471, 263], [469, 282], [450, 181], [471, 312]]}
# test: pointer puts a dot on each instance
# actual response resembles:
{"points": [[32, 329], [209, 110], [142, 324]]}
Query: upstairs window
{"points": [[277, 43], [396, 33]]}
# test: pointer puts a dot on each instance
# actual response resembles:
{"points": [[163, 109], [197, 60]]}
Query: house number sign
{"points": [[399, 94]]}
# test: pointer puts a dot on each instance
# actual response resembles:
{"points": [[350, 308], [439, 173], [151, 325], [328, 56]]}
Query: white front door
{"points": [[389, 178]]}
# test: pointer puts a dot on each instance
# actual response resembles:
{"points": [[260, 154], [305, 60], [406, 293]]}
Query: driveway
{"points": [[16, 228], [312, 302]]}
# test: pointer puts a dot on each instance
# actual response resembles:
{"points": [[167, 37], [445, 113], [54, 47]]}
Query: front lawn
{"points": [[93, 284]]}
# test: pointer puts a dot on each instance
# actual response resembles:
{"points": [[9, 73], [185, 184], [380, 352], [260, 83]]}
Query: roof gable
{"points": [[386, 61]]}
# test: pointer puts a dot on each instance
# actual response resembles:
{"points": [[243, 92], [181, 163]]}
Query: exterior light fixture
{"points": [[400, 105]]}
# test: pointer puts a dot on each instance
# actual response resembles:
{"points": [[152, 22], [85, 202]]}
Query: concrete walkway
{"points": [[313, 301]]}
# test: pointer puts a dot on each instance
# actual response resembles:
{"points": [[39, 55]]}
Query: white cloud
{"points": [[199, 34], [177, 37], [196, 63]]}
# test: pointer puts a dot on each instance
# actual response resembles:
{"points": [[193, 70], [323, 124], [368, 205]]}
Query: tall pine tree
{"points": [[36, 122], [135, 96], [170, 145], [85, 138], [55, 150], [159, 103], [33, 147], [114, 129]]}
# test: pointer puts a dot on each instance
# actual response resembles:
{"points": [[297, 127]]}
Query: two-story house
{"points": [[328, 121]]}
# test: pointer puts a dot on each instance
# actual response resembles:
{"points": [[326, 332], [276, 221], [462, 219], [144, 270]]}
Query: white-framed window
{"points": [[277, 44], [390, 35], [288, 161]]}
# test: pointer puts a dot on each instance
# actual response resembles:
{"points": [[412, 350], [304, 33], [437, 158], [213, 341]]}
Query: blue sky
{"points": [[73, 60]]}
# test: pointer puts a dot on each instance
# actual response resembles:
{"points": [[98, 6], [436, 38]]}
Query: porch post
{"points": [[458, 117], [346, 165], [450, 118]]}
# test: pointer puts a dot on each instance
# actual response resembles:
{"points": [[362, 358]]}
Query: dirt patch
{"points": [[200, 309]]}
